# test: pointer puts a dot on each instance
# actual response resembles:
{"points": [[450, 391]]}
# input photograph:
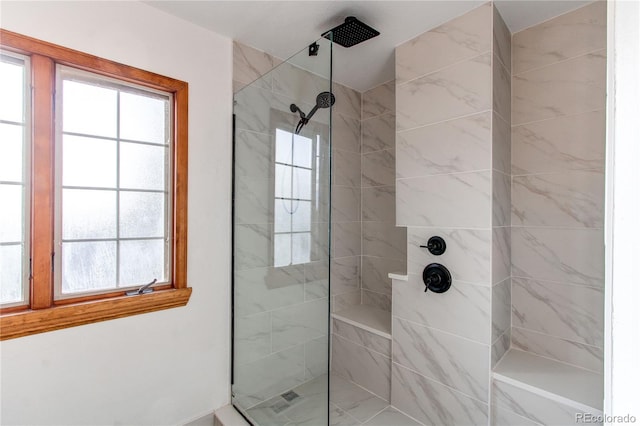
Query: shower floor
{"points": [[349, 405]]}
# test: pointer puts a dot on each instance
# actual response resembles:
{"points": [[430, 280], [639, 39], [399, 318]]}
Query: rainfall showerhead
{"points": [[323, 100], [351, 32]]}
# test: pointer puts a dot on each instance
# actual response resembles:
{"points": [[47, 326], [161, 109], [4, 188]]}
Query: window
{"points": [[93, 169]]}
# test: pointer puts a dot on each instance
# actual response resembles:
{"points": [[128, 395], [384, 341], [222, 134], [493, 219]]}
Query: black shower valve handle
{"points": [[435, 245]]}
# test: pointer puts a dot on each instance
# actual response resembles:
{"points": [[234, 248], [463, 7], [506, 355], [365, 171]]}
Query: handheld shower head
{"points": [[323, 100]]}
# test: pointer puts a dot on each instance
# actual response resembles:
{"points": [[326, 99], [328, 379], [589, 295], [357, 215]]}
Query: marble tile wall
{"points": [[450, 162], [384, 246], [558, 142]]}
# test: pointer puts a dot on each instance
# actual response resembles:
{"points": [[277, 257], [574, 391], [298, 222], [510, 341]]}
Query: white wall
{"points": [[160, 368]]}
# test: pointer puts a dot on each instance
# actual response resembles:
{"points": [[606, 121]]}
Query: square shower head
{"points": [[352, 32]]}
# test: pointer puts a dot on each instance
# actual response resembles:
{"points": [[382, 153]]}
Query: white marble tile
{"points": [[253, 246], [253, 153], [571, 87], [316, 356], [346, 168], [345, 274], [346, 238], [381, 301], [574, 312], [433, 403], [532, 406], [572, 199], [454, 200], [264, 414], [339, 417], [464, 309], [362, 337], [379, 100], [316, 280], [562, 255], [381, 239], [391, 416], [459, 145], [379, 204], [564, 143], [250, 64], [311, 408], [366, 368], [503, 417], [260, 380], [570, 352], [443, 357], [375, 272], [467, 255], [501, 90], [297, 324], [298, 84], [256, 108], [501, 39], [566, 36], [348, 101], [345, 204], [252, 337], [379, 133], [501, 195], [345, 133], [501, 146], [319, 241], [501, 254], [379, 168], [354, 400], [460, 38], [460, 89], [345, 300], [500, 347], [264, 289], [500, 309], [253, 199]]}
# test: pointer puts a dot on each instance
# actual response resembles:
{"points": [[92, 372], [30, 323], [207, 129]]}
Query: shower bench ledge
{"points": [[367, 317], [554, 380]]}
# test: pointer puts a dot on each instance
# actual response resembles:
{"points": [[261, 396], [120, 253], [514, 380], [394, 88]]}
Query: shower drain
{"points": [[290, 398]]}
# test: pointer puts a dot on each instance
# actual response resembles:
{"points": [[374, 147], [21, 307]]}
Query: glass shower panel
{"points": [[281, 243]]}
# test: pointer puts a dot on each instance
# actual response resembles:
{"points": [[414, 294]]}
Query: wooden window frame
{"points": [[42, 313]]}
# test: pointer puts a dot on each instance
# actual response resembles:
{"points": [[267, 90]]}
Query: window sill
{"points": [[29, 322]]}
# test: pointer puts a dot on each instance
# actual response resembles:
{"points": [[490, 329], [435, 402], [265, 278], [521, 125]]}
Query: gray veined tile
{"points": [[463, 37], [500, 346], [458, 145], [564, 143], [500, 309], [250, 64], [362, 337], [379, 301], [264, 289], [255, 109], [366, 368], [446, 358], [467, 255], [566, 36], [461, 200], [316, 280], [354, 400], [571, 87], [501, 90], [572, 312], [501, 146], [568, 199], [345, 274], [253, 200], [464, 309], [253, 155], [346, 300], [460, 89], [433, 403], [501, 39], [391, 416], [381, 239], [346, 168], [379, 204], [570, 352], [501, 254], [253, 246], [293, 325], [316, 354], [379, 100], [502, 199], [298, 84], [375, 272], [252, 336], [348, 101], [562, 255], [345, 133], [503, 417], [345, 204], [346, 239], [339, 417], [379, 133], [378, 168]]}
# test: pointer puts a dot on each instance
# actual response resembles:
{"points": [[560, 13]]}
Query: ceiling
{"points": [[283, 28]]}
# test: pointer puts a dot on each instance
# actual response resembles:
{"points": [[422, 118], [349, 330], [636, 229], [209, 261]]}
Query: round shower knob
{"points": [[436, 278], [436, 245]]}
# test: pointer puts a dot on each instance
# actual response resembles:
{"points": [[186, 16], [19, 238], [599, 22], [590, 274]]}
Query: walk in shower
{"points": [[282, 207]]}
